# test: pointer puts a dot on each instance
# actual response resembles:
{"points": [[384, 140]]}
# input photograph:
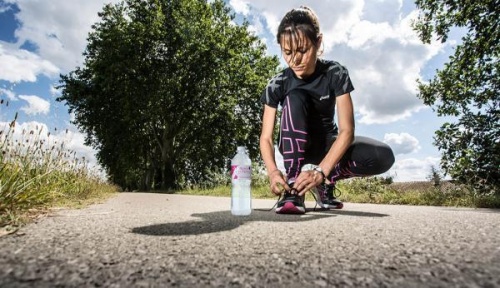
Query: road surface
{"points": [[159, 240]]}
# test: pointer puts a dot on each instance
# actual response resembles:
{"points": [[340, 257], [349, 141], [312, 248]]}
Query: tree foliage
{"points": [[167, 91], [468, 88]]}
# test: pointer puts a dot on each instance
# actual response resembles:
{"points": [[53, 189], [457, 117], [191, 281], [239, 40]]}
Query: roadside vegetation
{"points": [[37, 173], [378, 190]]}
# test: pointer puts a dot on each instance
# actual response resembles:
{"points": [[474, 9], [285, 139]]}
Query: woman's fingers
{"points": [[278, 185], [306, 181]]}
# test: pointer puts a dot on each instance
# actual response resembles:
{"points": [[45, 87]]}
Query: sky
{"points": [[373, 39]]}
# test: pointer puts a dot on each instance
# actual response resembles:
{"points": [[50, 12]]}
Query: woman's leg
{"points": [[365, 157], [294, 137]]}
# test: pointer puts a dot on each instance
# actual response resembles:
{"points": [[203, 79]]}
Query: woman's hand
{"points": [[278, 182], [307, 180]]}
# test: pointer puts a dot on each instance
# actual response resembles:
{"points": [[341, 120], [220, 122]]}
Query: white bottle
{"points": [[241, 178]]}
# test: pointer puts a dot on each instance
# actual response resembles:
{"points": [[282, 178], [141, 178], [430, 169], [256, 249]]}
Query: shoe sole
{"points": [[289, 208], [338, 206]]}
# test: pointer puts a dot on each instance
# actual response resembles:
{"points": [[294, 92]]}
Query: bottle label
{"points": [[241, 172]]}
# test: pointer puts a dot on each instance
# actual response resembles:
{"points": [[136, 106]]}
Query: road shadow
{"points": [[224, 221]]}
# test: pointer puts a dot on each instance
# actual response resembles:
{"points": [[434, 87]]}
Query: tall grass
{"points": [[38, 171]]}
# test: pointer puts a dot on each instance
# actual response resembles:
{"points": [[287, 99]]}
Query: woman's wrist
{"points": [[317, 170], [273, 171]]}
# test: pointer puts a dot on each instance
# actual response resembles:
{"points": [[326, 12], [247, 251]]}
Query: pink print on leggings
{"points": [[292, 142]]}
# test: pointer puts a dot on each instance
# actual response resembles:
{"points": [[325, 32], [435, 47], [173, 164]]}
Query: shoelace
{"points": [[315, 200], [278, 201], [336, 189], [283, 196]]}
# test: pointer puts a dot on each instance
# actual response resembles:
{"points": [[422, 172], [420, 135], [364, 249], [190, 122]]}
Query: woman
{"points": [[315, 151]]}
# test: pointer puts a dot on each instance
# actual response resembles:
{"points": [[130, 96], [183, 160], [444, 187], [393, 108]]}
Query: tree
{"points": [[468, 88], [167, 91], [435, 176]]}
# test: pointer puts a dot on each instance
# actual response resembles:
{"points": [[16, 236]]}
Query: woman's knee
{"points": [[379, 154], [385, 158]]}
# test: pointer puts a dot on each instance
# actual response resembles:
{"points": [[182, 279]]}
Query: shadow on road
{"points": [[223, 221]]}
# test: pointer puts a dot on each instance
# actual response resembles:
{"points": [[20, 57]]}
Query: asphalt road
{"points": [[157, 240]]}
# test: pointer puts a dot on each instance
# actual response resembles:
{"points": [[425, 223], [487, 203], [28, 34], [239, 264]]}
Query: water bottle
{"points": [[241, 177]]}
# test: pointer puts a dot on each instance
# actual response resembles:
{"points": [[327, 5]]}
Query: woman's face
{"points": [[300, 54]]}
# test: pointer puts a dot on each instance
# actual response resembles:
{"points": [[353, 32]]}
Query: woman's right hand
{"points": [[278, 182]]}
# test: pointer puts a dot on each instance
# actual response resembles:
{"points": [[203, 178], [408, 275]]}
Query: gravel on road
{"points": [[168, 240]]}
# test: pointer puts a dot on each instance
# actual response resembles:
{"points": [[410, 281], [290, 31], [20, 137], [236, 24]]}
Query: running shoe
{"points": [[325, 198], [290, 204]]}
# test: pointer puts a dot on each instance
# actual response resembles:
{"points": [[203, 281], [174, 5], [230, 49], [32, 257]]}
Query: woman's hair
{"points": [[298, 20]]}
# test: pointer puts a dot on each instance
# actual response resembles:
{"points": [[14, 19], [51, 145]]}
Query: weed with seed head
{"points": [[38, 171]]}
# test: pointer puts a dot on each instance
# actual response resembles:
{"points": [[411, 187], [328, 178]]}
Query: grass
{"points": [[38, 172], [376, 190], [372, 190]]}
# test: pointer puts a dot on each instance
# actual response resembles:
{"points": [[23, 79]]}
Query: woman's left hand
{"points": [[307, 180]]}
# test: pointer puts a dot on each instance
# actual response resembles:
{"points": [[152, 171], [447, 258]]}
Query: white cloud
{"points": [[36, 105], [57, 29], [382, 10], [9, 93], [257, 27], [240, 6], [384, 63], [403, 143], [54, 91], [365, 34], [272, 22], [413, 169], [22, 65]]}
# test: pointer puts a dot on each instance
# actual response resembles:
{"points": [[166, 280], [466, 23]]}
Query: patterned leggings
{"points": [[299, 145]]}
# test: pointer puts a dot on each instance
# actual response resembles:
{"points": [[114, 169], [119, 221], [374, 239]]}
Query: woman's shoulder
{"points": [[283, 74], [280, 77], [331, 66]]}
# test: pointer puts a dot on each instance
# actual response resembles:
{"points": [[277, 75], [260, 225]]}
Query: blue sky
{"points": [[39, 40]]}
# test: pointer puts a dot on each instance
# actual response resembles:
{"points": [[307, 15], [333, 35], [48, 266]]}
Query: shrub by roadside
{"points": [[37, 172]]}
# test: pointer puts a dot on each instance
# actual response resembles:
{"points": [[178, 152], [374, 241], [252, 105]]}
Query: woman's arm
{"points": [[346, 134], [267, 151]]}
